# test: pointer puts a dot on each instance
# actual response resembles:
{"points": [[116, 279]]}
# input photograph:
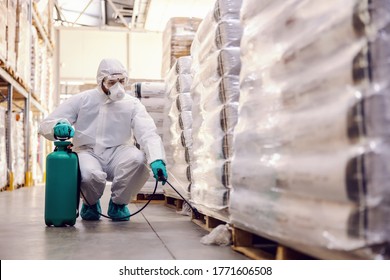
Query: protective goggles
{"points": [[111, 80]]}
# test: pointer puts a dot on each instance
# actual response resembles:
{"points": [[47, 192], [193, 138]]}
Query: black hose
{"points": [[160, 178], [126, 217]]}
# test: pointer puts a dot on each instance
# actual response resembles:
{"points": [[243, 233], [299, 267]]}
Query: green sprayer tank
{"points": [[62, 192]]}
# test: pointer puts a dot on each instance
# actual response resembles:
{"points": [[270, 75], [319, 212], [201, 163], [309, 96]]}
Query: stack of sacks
{"points": [[11, 33], [35, 150], [23, 65], [43, 74], [311, 159], [3, 155], [35, 74], [3, 30], [151, 95], [177, 39], [215, 94], [177, 127], [17, 151], [49, 82]]}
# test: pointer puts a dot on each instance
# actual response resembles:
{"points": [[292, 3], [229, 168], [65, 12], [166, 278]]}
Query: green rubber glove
{"points": [[156, 165], [63, 130]]}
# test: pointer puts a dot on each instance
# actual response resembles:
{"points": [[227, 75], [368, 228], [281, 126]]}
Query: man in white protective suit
{"points": [[104, 120]]}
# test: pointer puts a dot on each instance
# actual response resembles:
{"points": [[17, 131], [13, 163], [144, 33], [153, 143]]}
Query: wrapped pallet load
{"points": [[35, 153], [311, 159], [17, 152], [23, 47], [152, 96], [3, 155], [11, 33], [3, 31], [177, 39], [215, 93], [177, 126]]}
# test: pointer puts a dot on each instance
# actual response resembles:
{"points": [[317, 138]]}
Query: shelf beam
{"points": [[9, 79], [21, 90]]}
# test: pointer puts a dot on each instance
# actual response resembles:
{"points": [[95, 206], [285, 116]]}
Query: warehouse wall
{"points": [[80, 52], [145, 57]]}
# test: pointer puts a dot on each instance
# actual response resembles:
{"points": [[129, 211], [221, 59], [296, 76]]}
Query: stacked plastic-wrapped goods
{"points": [[11, 33], [177, 39], [3, 155], [177, 126], [35, 74], [152, 95], [23, 65], [311, 160], [3, 30], [49, 85], [215, 94], [34, 155], [17, 151]]}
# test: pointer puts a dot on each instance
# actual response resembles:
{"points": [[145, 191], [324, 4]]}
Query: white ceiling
{"points": [[148, 15]]}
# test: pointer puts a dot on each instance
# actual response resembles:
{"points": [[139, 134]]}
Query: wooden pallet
{"points": [[260, 248], [206, 222], [144, 197], [13, 74], [174, 203]]}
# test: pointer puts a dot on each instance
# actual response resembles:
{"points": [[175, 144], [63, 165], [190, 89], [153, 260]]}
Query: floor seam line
{"points": [[155, 232]]}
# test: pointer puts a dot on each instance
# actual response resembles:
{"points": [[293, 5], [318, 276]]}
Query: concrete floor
{"points": [[158, 232]]}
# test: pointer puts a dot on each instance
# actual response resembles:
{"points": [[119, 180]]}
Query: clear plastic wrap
{"points": [[223, 34], [3, 156], [220, 236], [311, 146], [156, 105], [3, 30], [179, 83], [325, 126], [182, 66], [184, 102], [177, 39], [149, 89], [319, 223], [223, 62], [18, 161], [177, 124], [227, 9], [214, 198], [215, 94], [348, 174]]}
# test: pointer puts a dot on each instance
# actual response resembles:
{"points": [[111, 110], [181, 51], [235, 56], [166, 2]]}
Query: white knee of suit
{"points": [[93, 182], [130, 174]]}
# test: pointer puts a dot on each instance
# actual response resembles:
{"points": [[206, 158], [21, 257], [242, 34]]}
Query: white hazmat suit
{"points": [[103, 138]]}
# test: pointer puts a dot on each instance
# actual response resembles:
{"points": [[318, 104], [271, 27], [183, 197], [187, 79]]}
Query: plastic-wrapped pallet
{"points": [[220, 28], [178, 85], [3, 155], [35, 148], [152, 96], [3, 30], [11, 33], [177, 39], [23, 65], [49, 85], [18, 162], [34, 60], [215, 94], [177, 126], [311, 146]]}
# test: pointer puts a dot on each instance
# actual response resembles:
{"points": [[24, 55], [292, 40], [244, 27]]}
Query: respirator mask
{"points": [[116, 86]]}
